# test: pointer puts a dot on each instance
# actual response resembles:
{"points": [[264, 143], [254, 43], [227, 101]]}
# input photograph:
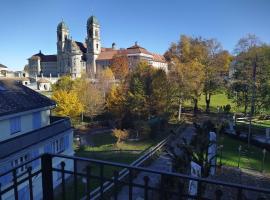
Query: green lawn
{"points": [[105, 148], [216, 100], [252, 159]]}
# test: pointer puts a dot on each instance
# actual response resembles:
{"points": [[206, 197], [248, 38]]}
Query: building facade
{"points": [[27, 131], [75, 58]]}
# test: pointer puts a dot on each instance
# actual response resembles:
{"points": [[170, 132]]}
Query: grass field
{"points": [[216, 100], [105, 148], [251, 159]]}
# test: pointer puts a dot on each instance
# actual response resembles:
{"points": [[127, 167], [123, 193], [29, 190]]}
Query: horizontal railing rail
{"points": [[71, 175]]}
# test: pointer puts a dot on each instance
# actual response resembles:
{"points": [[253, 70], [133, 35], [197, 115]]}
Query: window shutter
{"points": [[15, 124], [8, 177], [34, 154], [66, 142], [36, 120]]}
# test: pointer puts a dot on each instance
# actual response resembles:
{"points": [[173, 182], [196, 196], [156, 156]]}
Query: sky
{"points": [[27, 26]]}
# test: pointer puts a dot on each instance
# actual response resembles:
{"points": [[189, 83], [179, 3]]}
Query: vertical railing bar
{"points": [[239, 194], [47, 176], [75, 184], [88, 174], [30, 183], [101, 180], [130, 184], [14, 172], [146, 181], [161, 193], [115, 180], [199, 193], [63, 180], [0, 191]]}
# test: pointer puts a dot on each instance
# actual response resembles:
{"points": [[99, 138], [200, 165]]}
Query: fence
{"points": [[172, 185]]}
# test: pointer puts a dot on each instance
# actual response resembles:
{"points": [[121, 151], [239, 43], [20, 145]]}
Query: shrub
{"points": [[227, 108], [121, 135]]}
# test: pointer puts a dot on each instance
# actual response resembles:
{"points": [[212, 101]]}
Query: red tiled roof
{"points": [[158, 57]]}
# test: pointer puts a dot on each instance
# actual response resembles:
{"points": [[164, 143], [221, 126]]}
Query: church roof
{"points": [[62, 25], [92, 20], [44, 58], [15, 98], [81, 46]]}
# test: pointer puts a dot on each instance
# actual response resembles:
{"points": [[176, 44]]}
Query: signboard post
{"points": [[212, 152], [195, 172]]}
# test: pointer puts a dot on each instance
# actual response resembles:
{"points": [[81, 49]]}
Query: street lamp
{"points": [[263, 158], [239, 152], [220, 158]]}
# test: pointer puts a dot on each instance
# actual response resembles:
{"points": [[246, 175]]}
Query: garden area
{"points": [[251, 158]]}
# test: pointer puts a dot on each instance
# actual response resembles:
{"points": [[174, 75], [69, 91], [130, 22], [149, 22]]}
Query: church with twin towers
{"points": [[76, 58]]}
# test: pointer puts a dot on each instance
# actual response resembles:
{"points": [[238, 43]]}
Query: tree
{"points": [[119, 67], [121, 135], [106, 80], [116, 100], [91, 98], [68, 103], [187, 73], [216, 67], [64, 83], [251, 71]]}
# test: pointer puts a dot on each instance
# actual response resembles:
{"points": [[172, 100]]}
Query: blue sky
{"points": [[27, 26]]}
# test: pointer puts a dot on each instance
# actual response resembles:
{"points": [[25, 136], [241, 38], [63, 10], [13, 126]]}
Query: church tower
{"points": [[93, 45], [62, 37]]}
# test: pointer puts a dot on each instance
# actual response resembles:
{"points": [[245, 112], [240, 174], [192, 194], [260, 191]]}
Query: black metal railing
{"points": [[82, 178]]}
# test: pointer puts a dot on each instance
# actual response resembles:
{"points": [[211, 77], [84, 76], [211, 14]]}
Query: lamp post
{"points": [[220, 158], [263, 158], [239, 152]]}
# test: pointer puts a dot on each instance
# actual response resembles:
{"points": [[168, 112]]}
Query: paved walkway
{"points": [[162, 163]]}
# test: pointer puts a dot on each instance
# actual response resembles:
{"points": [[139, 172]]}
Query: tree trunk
{"points": [[246, 103], [195, 109], [207, 101], [179, 111]]}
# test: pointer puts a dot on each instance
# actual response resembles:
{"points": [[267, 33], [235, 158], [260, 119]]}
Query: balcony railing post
{"points": [[75, 184], [30, 183], [161, 191], [101, 180], [47, 176], [14, 172], [115, 181], [0, 191], [63, 180], [219, 194], [88, 174], [146, 182], [239, 194], [130, 184]]}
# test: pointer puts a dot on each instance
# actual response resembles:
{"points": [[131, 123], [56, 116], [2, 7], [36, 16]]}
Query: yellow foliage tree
{"points": [[68, 103]]}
